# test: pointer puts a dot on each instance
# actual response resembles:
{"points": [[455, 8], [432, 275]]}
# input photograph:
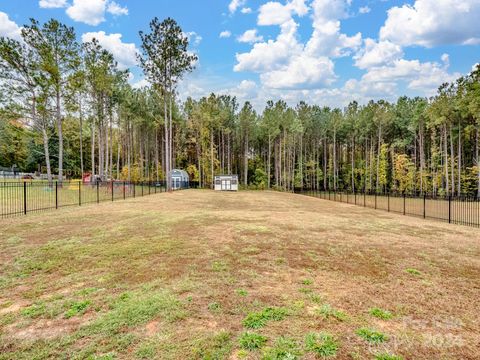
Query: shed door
{"points": [[226, 184]]}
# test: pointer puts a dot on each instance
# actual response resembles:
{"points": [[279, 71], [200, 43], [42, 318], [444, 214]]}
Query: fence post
{"points": [[365, 198], [449, 209], [375, 200], [25, 198], [424, 205], [142, 188], [149, 187], [111, 181], [388, 201], [124, 190], [404, 199], [56, 194], [134, 185], [80, 193], [98, 198]]}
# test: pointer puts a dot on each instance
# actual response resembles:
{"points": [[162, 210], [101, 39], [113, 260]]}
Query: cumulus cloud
{"points": [[364, 10], [9, 28], [115, 9], [124, 53], [246, 10], [225, 34], [234, 5], [194, 38], [377, 53], [92, 12], [250, 36], [287, 63], [431, 22], [52, 4]]}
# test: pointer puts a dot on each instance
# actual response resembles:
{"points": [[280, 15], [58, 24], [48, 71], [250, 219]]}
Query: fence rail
{"points": [[21, 198], [461, 210]]}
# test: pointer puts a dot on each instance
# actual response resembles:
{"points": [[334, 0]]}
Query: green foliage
{"points": [[380, 313], [371, 336], [241, 292], [322, 344], [258, 319], [77, 308], [284, 348], [327, 311], [252, 341], [214, 307], [413, 271], [34, 311]]}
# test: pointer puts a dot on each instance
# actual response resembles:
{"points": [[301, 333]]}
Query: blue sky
{"points": [[327, 52]]}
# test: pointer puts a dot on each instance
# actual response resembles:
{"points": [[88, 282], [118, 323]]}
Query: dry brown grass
{"points": [[174, 275]]}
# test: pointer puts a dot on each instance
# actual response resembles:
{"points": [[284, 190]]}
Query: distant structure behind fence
{"points": [[23, 197], [461, 210]]}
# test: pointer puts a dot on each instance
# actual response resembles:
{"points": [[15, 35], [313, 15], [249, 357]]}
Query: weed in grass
{"points": [[214, 307], [307, 282], [371, 336], [413, 271], [322, 344], [219, 266], [387, 356], [252, 341], [304, 290], [284, 349], [34, 311], [380, 313], [213, 347], [327, 311], [258, 319], [146, 351], [77, 308], [241, 292], [316, 298]]}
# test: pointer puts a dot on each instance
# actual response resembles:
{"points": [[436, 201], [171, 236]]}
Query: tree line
{"points": [[66, 105]]}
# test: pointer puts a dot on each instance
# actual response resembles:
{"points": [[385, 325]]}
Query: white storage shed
{"points": [[180, 179], [226, 183]]}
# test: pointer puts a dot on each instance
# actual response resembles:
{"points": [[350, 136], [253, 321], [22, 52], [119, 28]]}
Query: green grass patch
{"points": [[284, 349], [213, 347], [241, 292], [132, 309], [214, 307], [255, 320], [252, 341], [413, 271], [322, 344], [327, 311], [307, 281], [34, 311], [372, 336], [380, 313], [77, 308]]}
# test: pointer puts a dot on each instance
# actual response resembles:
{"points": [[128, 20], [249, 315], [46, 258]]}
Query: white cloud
{"points": [[285, 63], [115, 9], [377, 53], [194, 38], [92, 12], [246, 10], [140, 84], [302, 72], [8, 28], [364, 10], [272, 54], [52, 4], [235, 4], [250, 36], [432, 22], [420, 76], [225, 34], [124, 53], [275, 13]]}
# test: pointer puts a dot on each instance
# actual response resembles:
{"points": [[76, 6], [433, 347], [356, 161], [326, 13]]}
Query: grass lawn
{"points": [[247, 275]]}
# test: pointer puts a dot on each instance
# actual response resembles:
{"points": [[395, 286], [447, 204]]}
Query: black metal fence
{"points": [[461, 210], [21, 198]]}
